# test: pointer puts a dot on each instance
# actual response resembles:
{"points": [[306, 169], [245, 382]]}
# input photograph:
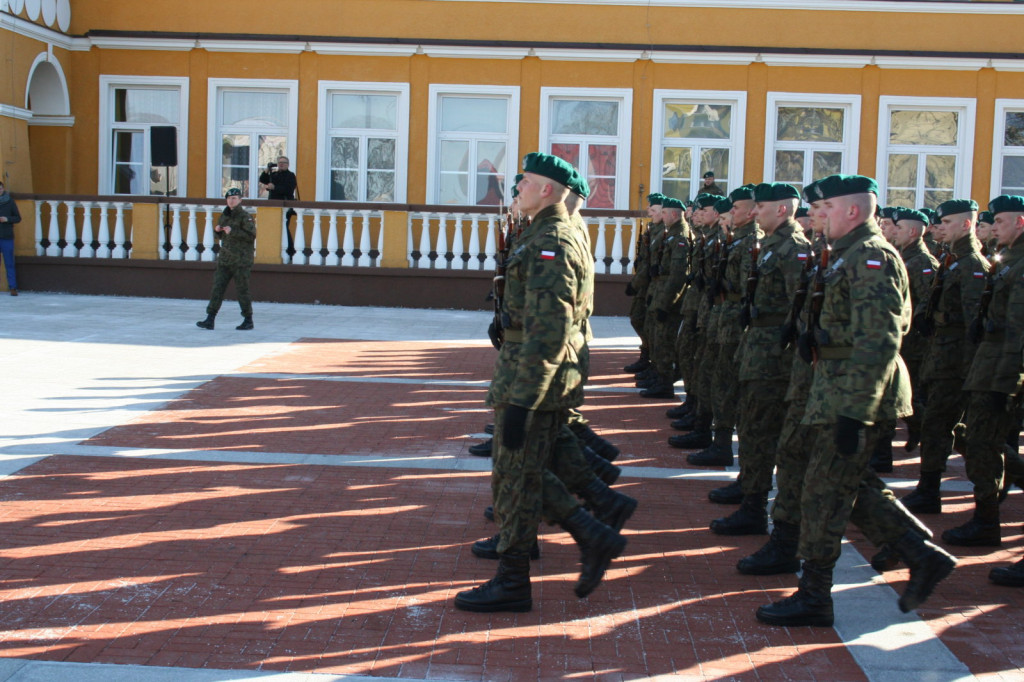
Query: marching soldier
{"points": [[637, 287]]}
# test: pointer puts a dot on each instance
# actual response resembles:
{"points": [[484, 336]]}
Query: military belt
{"points": [[835, 352], [950, 331], [769, 320], [513, 335]]}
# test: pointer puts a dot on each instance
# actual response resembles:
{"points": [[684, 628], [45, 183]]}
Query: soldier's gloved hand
{"points": [[661, 315], [805, 347], [923, 325], [787, 335], [494, 336], [848, 434], [630, 291], [513, 431]]}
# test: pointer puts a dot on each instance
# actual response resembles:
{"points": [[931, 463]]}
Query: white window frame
{"points": [[511, 136], [323, 153], [999, 150], [966, 107], [109, 83], [851, 129], [213, 130], [735, 98], [624, 96]]}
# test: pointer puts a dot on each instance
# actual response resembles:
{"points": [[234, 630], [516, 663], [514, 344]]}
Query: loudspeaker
{"points": [[163, 145]]}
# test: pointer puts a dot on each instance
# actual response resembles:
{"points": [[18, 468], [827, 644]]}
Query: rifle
{"points": [[979, 325], [716, 289], [497, 331], [746, 314], [807, 343], [789, 327], [698, 272], [925, 324]]}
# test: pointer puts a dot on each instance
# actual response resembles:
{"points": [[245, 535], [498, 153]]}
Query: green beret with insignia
{"points": [[578, 184], [775, 191], [903, 213], [931, 215], [888, 212], [688, 203], [515, 185], [845, 185], [655, 199], [801, 212], [703, 200], [669, 202], [709, 174], [1006, 203], [744, 193], [986, 217], [723, 205], [811, 192], [549, 166], [233, 192], [954, 206]]}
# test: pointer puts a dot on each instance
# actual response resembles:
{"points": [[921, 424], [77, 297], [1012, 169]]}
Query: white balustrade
{"points": [[208, 254], [300, 238], [332, 241], [364, 241], [349, 244], [103, 231], [192, 235], [599, 247], [616, 266], [39, 228], [119, 250], [424, 260], [490, 245], [88, 250], [70, 233], [175, 238], [474, 244], [316, 242]]}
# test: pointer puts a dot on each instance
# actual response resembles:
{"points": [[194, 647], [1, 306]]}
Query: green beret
{"points": [[703, 200], [775, 191], [801, 212], [888, 212], [903, 213], [811, 193], [688, 203], [515, 185], [954, 206], [709, 174], [746, 192], [986, 217], [548, 166], [578, 184], [1006, 203], [669, 202], [233, 192], [844, 185], [655, 199], [931, 215], [723, 205]]}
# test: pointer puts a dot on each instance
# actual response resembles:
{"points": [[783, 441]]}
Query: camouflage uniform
{"points": [[639, 283], [673, 268], [658, 232], [234, 260], [687, 338], [707, 322], [541, 365], [921, 267]]}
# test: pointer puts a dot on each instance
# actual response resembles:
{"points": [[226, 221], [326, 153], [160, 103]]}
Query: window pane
{"points": [[932, 198], [380, 186], [344, 185], [939, 171], [474, 114], [490, 187], [567, 152], [602, 193], [675, 162], [1014, 135], [454, 156], [235, 157], [902, 171], [601, 161], [716, 161], [128, 162], [345, 152], [454, 188], [146, 106], [163, 180], [230, 180], [364, 111], [380, 153], [789, 166], [128, 146], [698, 120], [902, 197], [255, 108], [810, 124], [827, 163], [272, 147], [584, 117], [1013, 174], [923, 127], [678, 189]]}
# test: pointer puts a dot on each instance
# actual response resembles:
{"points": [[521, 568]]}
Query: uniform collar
{"points": [[860, 233]]}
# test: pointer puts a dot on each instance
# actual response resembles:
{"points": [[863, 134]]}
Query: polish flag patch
{"points": [[801, 256], [873, 264], [926, 271], [547, 255], [979, 275]]}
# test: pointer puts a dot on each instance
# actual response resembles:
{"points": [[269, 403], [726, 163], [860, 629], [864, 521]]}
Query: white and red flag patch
{"points": [[547, 255], [873, 264]]}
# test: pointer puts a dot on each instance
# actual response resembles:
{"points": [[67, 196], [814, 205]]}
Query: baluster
{"points": [[300, 237], [490, 245], [474, 243], [119, 250], [208, 254], [599, 248], [424, 260], [408, 237], [53, 233], [285, 257], [103, 232], [616, 266], [457, 249], [350, 240], [40, 250], [332, 240], [87, 250], [380, 240], [70, 233], [176, 252], [192, 235], [633, 223], [364, 241], [441, 245], [316, 239]]}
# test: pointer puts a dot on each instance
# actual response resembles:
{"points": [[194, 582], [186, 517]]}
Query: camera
{"points": [[271, 167]]}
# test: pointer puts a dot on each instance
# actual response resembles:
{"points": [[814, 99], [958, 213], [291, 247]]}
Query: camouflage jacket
{"points": [[737, 269], [642, 266], [801, 375], [707, 316], [549, 288], [865, 313], [921, 268], [780, 266], [674, 259], [693, 294], [950, 353], [582, 233], [238, 247], [997, 363], [653, 255]]}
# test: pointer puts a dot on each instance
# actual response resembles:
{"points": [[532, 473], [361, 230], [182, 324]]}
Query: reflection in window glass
{"points": [[902, 197], [584, 117], [474, 114], [940, 171], [675, 172], [1014, 135], [923, 127], [380, 153], [600, 173], [902, 170], [567, 152], [378, 112], [380, 186], [810, 124], [1013, 175], [827, 163], [698, 120], [128, 162], [789, 166], [255, 108], [454, 156], [136, 105], [716, 161]]}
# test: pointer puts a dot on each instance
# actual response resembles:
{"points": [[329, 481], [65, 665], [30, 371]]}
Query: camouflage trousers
{"points": [[945, 409], [763, 415], [841, 488], [990, 417], [725, 387], [688, 344], [913, 362], [637, 315], [796, 441], [663, 349], [518, 483], [569, 471], [704, 369], [223, 274]]}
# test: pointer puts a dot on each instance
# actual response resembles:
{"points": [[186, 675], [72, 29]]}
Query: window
{"points": [[363, 141], [697, 132], [925, 150], [813, 136], [590, 129], [473, 151], [129, 108], [1008, 148], [254, 122]]}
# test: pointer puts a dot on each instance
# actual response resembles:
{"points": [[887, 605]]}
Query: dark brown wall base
{"points": [[388, 287]]}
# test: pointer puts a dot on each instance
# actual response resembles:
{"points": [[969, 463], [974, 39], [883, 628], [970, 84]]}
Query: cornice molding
{"points": [[19, 113], [47, 35], [904, 6], [52, 121]]}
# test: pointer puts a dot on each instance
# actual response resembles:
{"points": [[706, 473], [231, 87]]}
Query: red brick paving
{"points": [[352, 570]]}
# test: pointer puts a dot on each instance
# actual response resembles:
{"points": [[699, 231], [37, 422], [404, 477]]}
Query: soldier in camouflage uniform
{"points": [[236, 231], [637, 287], [538, 376], [649, 376], [943, 317], [985, 236], [858, 379], [764, 367], [994, 380]]}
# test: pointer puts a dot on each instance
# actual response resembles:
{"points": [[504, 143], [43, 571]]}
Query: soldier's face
{"points": [[531, 192], [984, 231], [907, 231], [1007, 227], [743, 211], [655, 213], [233, 201], [767, 215], [817, 215]]}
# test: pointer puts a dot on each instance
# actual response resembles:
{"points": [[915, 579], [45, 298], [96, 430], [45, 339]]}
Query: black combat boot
{"points": [[728, 494], [508, 590], [810, 605], [611, 508], [602, 468], [488, 548], [928, 564], [589, 438], [650, 373], [981, 531], [888, 557], [246, 324], [598, 544], [913, 433], [777, 556], [750, 519], [1010, 576], [207, 323], [925, 498], [681, 410], [642, 363], [699, 438], [688, 423], [881, 458], [718, 454], [662, 389], [484, 449], [489, 429]]}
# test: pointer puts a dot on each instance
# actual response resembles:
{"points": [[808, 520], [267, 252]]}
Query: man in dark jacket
{"points": [[236, 231], [8, 217]]}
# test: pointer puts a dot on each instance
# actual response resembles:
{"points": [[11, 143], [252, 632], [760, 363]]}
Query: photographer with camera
{"points": [[282, 184]]}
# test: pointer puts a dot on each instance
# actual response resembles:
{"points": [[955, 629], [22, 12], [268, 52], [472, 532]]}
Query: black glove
{"points": [[976, 332], [805, 345], [923, 324], [494, 335], [630, 291], [847, 435], [513, 431], [661, 315], [787, 335]]}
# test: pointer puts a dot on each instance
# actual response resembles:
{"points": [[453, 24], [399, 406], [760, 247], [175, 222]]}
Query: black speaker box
{"points": [[163, 145]]}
